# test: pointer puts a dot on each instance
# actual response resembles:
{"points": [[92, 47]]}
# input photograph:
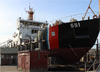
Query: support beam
{"points": [[99, 8]]}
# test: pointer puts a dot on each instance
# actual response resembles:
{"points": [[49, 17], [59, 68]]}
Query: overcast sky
{"points": [[11, 10]]}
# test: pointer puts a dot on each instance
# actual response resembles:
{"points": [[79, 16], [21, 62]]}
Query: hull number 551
{"points": [[75, 25]]}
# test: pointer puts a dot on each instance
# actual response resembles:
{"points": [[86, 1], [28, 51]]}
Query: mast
{"points": [[30, 13]]}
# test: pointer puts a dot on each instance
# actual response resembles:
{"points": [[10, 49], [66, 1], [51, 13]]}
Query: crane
{"points": [[89, 7]]}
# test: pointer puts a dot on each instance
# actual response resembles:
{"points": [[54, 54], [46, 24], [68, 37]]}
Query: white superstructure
{"points": [[26, 30]]}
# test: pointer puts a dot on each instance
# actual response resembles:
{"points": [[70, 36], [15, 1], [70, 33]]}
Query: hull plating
{"points": [[70, 40]]}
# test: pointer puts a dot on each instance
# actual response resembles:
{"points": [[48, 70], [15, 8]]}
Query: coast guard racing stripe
{"points": [[53, 37]]}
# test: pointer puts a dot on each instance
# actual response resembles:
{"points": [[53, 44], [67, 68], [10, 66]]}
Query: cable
{"points": [[69, 16]]}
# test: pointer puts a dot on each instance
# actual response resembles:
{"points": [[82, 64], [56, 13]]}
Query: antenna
{"points": [[29, 4]]}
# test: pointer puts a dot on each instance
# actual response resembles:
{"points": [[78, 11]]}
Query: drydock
{"points": [[63, 46]]}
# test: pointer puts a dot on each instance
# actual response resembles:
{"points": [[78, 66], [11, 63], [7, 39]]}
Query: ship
{"points": [[59, 46], [68, 42]]}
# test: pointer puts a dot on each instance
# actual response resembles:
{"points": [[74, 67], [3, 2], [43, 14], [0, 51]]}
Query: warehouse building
{"points": [[8, 56]]}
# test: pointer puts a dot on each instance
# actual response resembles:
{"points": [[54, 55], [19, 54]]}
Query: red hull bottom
{"points": [[70, 55]]}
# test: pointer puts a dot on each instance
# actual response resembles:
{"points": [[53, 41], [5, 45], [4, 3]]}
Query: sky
{"points": [[45, 10]]}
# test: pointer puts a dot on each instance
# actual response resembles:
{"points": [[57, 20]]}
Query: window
{"points": [[34, 31], [2, 56], [36, 24], [31, 23], [12, 57]]}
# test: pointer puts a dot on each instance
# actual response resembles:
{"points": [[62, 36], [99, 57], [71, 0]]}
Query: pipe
{"points": [[99, 8]]}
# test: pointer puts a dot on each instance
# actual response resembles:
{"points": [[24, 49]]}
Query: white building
{"points": [[26, 29]]}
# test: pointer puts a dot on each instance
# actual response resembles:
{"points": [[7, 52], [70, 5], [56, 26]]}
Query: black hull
{"points": [[70, 41], [83, 35]]}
